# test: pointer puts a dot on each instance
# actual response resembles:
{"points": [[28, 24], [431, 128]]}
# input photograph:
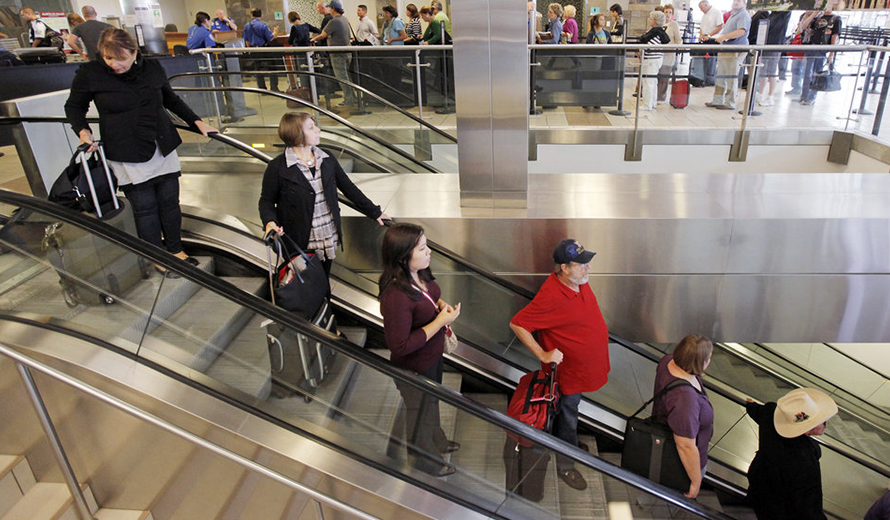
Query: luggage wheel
{"points": [[69, 294]]}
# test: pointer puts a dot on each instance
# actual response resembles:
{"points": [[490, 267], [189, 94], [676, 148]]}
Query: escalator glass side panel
{"points": [[55, 272]]}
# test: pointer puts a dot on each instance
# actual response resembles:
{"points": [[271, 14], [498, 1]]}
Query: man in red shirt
{"points": [[571, 331]]}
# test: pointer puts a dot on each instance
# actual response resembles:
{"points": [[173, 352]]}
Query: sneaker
{"points": [[807, 102], [713, 105], [647, 108], [766, 102], [793, 92], [574, 479], [445, 470], [725, 107]]}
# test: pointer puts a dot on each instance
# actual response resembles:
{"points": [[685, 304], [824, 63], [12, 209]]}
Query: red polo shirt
{"points": [[571, 322]]}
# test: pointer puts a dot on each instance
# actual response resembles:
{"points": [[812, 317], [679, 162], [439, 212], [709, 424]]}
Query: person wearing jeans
{"points": [[563, 324]]}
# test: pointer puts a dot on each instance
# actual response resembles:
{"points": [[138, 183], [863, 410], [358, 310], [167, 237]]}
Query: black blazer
{"points": [[288, 200], [131, 108]]}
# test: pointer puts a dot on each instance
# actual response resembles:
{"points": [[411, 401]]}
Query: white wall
{"points": [[103, 7]]}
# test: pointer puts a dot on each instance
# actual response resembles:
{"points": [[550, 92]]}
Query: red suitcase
{"points": [[679, 93]]}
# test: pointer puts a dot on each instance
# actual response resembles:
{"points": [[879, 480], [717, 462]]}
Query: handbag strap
{"points": [[670, 386]]}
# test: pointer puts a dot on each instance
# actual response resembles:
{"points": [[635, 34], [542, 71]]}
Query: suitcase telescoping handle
{"points": [[82, 149]]}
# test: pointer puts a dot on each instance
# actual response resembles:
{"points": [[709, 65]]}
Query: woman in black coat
{"points": [[785, 480], [299, 194], [131, 95]]}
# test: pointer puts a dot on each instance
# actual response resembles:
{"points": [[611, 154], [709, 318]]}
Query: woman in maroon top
{"points": [[414, 321], [686, 408]]}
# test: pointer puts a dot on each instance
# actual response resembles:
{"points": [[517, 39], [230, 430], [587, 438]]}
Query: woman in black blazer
{"points": [[299, 194], [131, 95]]}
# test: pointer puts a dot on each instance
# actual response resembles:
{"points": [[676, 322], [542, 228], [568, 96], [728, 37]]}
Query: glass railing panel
{"points": [[59, 273], [573, 87], [437, 86]]}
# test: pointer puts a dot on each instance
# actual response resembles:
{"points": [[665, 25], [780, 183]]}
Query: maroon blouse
{"points": [[403, 319]]}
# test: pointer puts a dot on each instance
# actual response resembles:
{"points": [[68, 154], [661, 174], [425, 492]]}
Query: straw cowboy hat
{"points": [[801, 410]]}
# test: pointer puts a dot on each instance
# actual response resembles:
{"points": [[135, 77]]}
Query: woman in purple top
{"points": [[570, 25], [686, 408], [414, 321]]}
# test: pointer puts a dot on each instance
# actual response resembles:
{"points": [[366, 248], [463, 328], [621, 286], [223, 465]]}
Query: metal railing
{"points": [[25, 363]]}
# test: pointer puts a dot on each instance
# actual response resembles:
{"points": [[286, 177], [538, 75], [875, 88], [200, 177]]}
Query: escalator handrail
{"points": [[254, 303], [836, 351], [22, 359], [308, 105], [326, 77]]}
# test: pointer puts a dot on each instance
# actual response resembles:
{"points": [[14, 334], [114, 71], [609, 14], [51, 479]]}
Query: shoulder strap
{"points": [[670, 386]]}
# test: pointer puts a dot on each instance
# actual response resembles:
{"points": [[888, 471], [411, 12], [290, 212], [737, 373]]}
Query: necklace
{"points": [[307, 158]]}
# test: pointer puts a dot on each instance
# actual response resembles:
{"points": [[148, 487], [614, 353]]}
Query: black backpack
{"points": [[51, 38]]}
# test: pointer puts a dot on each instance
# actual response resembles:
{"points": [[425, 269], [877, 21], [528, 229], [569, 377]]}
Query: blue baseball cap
{"points": [[335, 4], [569, 250]]}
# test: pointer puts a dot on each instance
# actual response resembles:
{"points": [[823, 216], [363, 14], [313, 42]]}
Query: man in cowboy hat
{"points": [[785, 480]]}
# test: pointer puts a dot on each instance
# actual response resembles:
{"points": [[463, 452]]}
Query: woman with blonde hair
{"points": [[570, 25]]}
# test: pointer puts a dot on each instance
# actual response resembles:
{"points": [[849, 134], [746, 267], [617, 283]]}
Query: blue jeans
{"points": [[813, 62], [796, 74], [565, 427], [156, 211]]}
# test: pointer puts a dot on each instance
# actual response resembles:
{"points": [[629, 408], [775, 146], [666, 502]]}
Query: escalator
{"points": [[385, 138], [853, 475], [205, 328]]}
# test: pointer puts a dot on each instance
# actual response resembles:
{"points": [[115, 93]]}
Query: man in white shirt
{"points": [[711, 24], [366, 30]]}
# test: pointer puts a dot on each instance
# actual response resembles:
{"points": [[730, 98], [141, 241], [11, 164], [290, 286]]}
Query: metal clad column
{"points": [[491, 78]]}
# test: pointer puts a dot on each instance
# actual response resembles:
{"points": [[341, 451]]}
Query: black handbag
{"points": [[297, 279], [649, 449], [72, 188], [826, 80]]}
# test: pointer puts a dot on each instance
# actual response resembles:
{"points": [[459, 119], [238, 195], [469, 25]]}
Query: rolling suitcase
{"points": [[534, 402], [91, 269], [679, 93], [697, 71], [525, 468], [299, 364]]}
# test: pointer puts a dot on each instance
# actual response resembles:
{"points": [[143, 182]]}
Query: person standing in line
{"points": [[686, 408], [570, 25], [413, 28], [393, 28], [88, 32], [711, 25], [822, 28], [440, 16], [222, 23], [337, 30], [299, 191], [570, 331], [597, 32], [652, 60], [365, 29], [415, 318], [257, 34], [326, 17], [734, 32], [132, 95], [668, 67], [784, 479], [39, 34], [299, 31], [199, 35], [554, 14], [618, 27]]}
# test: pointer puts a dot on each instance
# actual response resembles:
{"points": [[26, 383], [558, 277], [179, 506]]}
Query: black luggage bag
{"points": [[299, 363], [650, 451], [525, 467], [92, 269]]}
